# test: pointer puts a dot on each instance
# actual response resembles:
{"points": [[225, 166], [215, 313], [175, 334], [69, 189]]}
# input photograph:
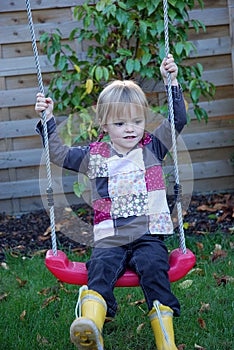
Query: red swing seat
{"points": [[76, 273]]}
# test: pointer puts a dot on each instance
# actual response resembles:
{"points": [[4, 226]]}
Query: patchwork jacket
{"points": [[128, 191]]}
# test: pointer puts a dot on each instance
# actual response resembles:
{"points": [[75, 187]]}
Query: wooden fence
{"points": [[210, 145]]}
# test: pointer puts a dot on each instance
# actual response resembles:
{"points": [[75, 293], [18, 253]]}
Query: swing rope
{"points": [[49, 190], [46, 142], [177, 186]]}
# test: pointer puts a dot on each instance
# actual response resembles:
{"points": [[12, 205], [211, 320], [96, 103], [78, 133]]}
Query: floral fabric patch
{"points": [[160, 224], [97, 166], [129, 205]]}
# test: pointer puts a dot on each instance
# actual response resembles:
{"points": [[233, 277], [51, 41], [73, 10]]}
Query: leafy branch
{"points": [[125, 41]]}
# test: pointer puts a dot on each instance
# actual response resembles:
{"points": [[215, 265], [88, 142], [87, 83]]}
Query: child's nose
{"points": [[129, 127]]}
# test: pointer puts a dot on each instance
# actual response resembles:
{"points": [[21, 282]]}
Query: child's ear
{"points": [[104, 128]]}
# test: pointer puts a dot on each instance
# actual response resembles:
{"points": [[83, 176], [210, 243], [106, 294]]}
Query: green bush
{"points": [[125, 41]]}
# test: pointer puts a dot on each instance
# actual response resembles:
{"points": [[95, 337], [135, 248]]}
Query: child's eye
{"points": [[138, 121], [119, 124]]}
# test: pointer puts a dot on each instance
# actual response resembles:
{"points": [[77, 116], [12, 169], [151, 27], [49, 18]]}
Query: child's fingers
{"points": [[41, 106], [171, 68], [40, 95]]}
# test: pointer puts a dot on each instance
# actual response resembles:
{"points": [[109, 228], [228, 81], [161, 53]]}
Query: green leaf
{"points": [[141, 5], [160, 26], [143, 27], [212, 216], [99, 73], [62, 62], [105, 73], [179, 48], [130, 64], [73, 34], [200, 68], [137, 66], [195, 94], [78, 188], [122, 5], [121, 16], [59, 83], [131, 27], [146, 58], [124, 52], [188, 47], [172, 14], [75, 100]]}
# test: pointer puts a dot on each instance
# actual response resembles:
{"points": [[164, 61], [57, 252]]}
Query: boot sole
{"points": [[85, 335]]}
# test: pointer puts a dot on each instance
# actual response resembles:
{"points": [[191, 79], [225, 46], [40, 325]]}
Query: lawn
{"points": [[37, 310]]}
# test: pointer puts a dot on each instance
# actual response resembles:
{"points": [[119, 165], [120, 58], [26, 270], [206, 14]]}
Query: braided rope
{"points": [[46, 142], [173, 132]]}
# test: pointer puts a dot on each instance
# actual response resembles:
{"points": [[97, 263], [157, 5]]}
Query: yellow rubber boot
{"points": [[86, 330], [161, 321]]}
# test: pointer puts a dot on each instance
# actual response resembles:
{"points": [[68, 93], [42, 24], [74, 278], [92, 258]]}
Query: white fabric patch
{"points": [[158, 202], [103, 229]]}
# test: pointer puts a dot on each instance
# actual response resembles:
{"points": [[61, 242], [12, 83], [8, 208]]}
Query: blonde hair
{"points": [[116, 97]]}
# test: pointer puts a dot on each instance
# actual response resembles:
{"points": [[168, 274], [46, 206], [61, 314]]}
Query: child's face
{"points": [[125, 131]]}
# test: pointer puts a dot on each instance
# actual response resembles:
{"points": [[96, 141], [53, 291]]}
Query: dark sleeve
{"points": [[162, 135], [72, 158]]}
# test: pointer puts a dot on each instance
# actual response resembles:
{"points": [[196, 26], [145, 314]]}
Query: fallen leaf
{"points": [[79, 251], [3, 296], [197, 271], [186, 225], [202, 323], [4, 266], [185, 284], [21, 282], [217, 254], [14, 254], [205, 207], [43, 238], [199, 347], [220, 206], [204, 307], [181, 346], [223, 217], [200, 245], [40, 252], [109, 319], [44, 291], [137, 302], [200, 232], [49, 300], [22, 316], [139, 328], [223, 279], [42, 340]]}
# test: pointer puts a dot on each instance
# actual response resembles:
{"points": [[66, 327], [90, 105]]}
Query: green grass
{"points": [[26, 324]]}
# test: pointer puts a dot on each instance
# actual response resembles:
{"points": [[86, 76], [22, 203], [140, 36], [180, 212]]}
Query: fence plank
{"points": [[208, 140], [210, 17], [23, 158], [211, 47], [21, 128], [19, 5], [21, 33]]}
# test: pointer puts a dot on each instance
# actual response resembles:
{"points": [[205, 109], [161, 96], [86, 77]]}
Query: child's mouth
{"points": [[130, 137]]}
